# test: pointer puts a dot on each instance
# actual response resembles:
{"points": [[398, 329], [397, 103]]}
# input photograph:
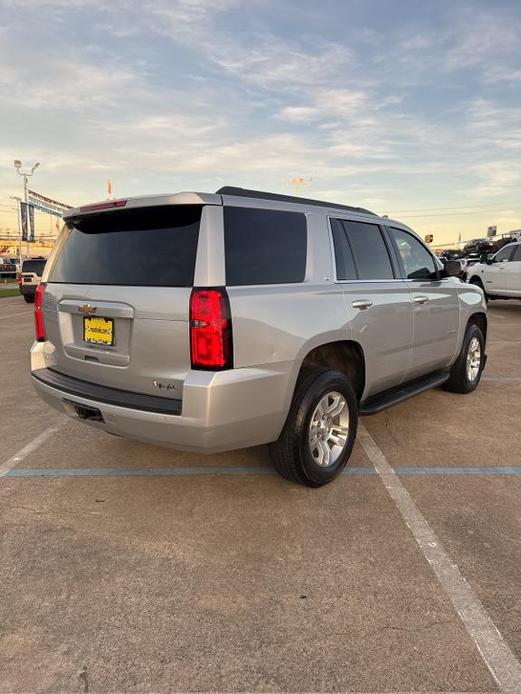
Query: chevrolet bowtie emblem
{"points": [[87, 309]]}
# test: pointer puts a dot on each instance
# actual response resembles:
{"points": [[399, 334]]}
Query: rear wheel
{"points": [[29, 298], [466, 371], [318, 437]]}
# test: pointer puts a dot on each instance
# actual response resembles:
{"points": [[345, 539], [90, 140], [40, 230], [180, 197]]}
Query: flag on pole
{"points": [[24, 219], [31, 223]]}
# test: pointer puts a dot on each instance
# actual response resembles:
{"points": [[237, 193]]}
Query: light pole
{"points": [[18, 201], [25, 174]]}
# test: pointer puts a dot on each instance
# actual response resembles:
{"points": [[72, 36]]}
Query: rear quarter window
{"points": [[147, 247], [264, 246], [370, 251]]}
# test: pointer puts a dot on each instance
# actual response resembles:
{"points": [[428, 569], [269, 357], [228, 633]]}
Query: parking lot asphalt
{"points": [[127, 567]]}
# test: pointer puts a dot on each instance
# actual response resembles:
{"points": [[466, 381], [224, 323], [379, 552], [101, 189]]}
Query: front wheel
{"points": [[465, 374], [319, 434]]}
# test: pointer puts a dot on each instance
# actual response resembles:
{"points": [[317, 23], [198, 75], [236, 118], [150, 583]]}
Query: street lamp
{"points": [[25, 174]]}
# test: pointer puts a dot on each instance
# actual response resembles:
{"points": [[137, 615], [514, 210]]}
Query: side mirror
{"points": [[486, 258], [453, 268]]}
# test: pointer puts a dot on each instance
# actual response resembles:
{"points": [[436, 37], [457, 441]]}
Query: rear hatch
{"points": [[116, 305], [32, 271]]}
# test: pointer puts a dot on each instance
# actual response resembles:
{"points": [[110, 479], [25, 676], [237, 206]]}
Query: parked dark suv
{"points": [[30, 277]]}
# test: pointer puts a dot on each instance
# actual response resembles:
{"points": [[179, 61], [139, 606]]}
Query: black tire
{"points": [[478, 283], [459, 381], [291, 453], [29, 298]]}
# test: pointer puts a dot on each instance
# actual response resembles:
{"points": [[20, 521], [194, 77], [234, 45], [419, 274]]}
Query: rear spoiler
{"points": [[148, 201]]}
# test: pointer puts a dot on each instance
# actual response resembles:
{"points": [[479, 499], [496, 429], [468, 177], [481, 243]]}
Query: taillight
{"points": [[38, 313], [19, 279], [210, 329]]}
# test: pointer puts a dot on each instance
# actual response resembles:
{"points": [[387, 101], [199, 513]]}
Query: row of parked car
{"points": [[9, 267], [498, 274]]}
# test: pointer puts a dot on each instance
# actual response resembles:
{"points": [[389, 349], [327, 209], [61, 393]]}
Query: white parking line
{"points": [[502, 663], [30, 448]]}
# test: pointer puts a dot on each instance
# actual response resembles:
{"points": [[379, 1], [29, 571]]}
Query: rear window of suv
{"points": [[35, 266], [264, 246], [148, 247]]}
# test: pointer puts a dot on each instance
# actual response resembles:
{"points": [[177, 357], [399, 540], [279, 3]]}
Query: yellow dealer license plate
{"points": [[98, 331]]}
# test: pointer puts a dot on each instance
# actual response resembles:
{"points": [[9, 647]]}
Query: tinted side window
{"points": [[345, 267], [264, 246], [517, 253], [417, 261], [369, 251], [503, 254]]}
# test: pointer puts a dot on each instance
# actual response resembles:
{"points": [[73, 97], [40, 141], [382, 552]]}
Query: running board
{"points": [[393, 396]]}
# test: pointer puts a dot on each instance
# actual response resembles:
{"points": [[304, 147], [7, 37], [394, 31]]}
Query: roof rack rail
{"points": [[259, 194]]}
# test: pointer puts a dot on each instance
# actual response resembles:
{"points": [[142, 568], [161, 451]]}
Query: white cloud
{"points": [[482, 38], [494, 126], [495, 177], [298, 114]]}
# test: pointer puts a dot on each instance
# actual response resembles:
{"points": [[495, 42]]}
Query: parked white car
{"points": [[500, 275]]}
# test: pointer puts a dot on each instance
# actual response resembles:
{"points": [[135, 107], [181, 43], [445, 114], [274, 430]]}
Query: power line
{"points": [[461, 207], [443, 214]]}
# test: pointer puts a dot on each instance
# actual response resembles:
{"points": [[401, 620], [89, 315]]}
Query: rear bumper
{"points": [[28, 288], [106, 396], [219, 411]]}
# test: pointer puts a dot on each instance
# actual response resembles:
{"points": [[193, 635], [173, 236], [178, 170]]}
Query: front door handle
{"points": [[362, 304], [420, 299]]}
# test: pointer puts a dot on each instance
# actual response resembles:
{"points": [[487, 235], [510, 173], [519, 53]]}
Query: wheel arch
{"points": [[480, 319], [476, 279], [346, 356]]}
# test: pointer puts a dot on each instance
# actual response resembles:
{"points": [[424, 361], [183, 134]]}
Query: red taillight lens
{"points": [[38, 313], [19, 279], [210, 329]]}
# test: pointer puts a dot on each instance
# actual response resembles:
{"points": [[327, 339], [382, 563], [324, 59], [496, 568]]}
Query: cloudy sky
{"points": [[409, 108]]}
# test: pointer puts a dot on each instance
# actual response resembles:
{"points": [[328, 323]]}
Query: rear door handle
{"points": [[362, 304], [420, 299]]}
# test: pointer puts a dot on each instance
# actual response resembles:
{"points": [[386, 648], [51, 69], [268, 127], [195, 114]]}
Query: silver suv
{"points": [[207, 322]]}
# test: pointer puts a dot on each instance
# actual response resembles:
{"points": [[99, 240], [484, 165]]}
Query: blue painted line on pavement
{"points": [[488, 470], [137, 472], [155, 472], [230, 471]]}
